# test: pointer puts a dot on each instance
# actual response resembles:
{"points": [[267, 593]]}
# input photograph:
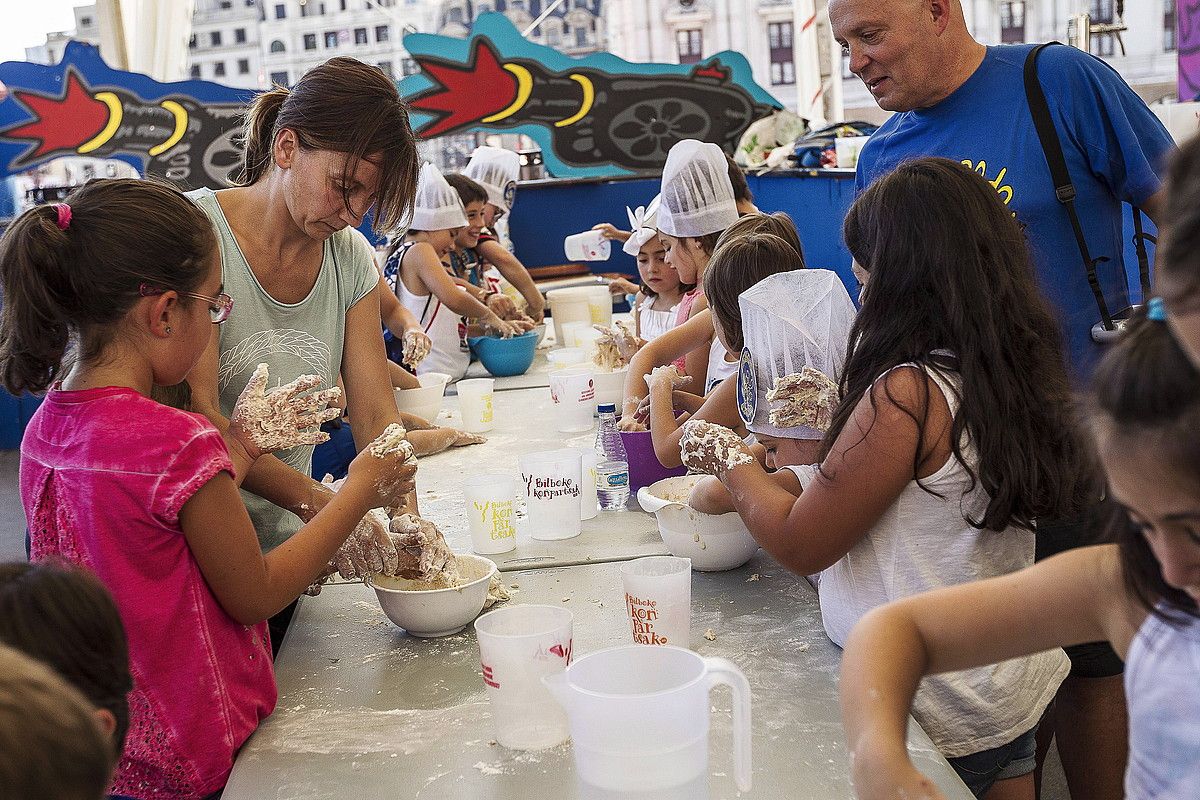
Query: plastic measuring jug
{"points": [[639, 716]]}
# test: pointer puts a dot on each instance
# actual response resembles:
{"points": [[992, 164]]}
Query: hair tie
{"points": [[1156, 310], [64, 215]]}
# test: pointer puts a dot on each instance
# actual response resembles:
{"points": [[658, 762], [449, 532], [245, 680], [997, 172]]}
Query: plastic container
{"points": [[610, 386], [573, 395], [713, 542], [644, 466], [518, 646], [475, 400], [490, 504], [587, 246], [426, 401], [658, 598], [600, 305], [564, 357], [430, 613], [505, 357], [639, 717], [568, 305], [553, 494], [612, 473]]}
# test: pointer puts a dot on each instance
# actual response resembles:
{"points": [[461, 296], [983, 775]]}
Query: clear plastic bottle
{"points": [[612, 473]]}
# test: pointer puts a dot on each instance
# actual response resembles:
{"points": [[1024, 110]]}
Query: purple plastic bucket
{"points": [[644, 466]]}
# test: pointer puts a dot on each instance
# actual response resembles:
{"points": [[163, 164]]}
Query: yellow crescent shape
{"points": [[589, 97], [114, 121], [524, 89], [181, 118]]}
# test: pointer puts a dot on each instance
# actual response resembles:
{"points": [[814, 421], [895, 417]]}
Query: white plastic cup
{"points": [[568, 305], [490, 506], [571, 332], [475, 398], [573, 393], [587, 246], [518, 646], [589, 503], [563, 357], [658, 599], [585, 340], [553, 491], [600, 305]]}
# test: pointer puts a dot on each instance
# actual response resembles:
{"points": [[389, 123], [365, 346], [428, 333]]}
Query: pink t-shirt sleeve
{"points": [[195, 463]]}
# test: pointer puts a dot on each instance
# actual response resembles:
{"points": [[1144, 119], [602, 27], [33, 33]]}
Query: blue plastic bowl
{"points": [[505, 357]]}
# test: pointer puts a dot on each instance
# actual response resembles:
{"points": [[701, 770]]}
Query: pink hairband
{"points": [[64, 215]]}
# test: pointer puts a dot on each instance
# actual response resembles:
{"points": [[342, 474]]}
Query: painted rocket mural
{"points": [[592, 113]]}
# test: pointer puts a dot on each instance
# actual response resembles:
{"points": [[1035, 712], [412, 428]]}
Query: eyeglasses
{"points": [[219, 307]]}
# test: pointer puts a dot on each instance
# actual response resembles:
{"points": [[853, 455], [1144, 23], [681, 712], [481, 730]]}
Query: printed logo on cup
{"points": [[502, 518], [590, 392], [550, 488], [747, 387], [487, 415], [644, 615]]}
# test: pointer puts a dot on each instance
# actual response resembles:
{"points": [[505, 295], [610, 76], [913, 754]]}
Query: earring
{"points": [[168, 329]]}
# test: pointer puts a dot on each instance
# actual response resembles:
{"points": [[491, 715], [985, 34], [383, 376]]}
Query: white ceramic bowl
{"points": [[713, 542], [435, 612], [425, 402], [610, 387]]}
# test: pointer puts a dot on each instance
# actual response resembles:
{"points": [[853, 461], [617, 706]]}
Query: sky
{"points": [[27, 23]]}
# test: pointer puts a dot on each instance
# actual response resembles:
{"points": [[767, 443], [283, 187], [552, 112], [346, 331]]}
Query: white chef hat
{"points": [[437, 207], [790, 320], [642, 223], [697, 197], [496, 170]]}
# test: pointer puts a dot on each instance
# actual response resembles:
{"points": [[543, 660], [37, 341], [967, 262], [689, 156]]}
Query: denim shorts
{"points": [[980, 770]]}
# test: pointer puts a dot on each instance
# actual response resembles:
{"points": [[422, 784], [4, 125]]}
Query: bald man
{"points": [[956, 98]]}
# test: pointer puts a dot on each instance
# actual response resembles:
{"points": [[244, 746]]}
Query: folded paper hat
{"points": [[496, 170], [642, 224]]}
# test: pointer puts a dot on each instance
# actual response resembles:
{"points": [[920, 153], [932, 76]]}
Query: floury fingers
{"points": [[283, 417]]}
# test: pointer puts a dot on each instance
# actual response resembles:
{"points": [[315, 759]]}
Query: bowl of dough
{"points": [[438, 607], [713, 542], [505, 357], [426, 401]]}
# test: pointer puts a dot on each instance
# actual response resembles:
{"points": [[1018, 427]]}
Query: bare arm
{"points": [[675, 343], [398, 319], [695, 363], [515, 273], [423, 265], [864, 473], [1074, 597], [1154, 206], [720, 407], [251, 586], [269, 478]]}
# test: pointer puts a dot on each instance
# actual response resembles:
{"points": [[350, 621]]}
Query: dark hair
{"points": [[950, 271], [62, 615], [778, 223], [468, 190], [738, 264], [1179, 245], [344, 106], [51, 747], [76, 285], [1146, 391], [741, 189]]}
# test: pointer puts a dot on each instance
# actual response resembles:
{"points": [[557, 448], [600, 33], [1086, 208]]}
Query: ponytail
{"points": [[69, 288], [34, 320], [258, 134]]}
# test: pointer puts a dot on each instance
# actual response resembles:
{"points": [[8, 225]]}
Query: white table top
{"points": [[365, 710]]}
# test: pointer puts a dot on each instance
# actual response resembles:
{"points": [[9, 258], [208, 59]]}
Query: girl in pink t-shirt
{"points": [[125, 275]]}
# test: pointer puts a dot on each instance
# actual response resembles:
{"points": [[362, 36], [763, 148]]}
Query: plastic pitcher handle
{"points": [[724, 671]]}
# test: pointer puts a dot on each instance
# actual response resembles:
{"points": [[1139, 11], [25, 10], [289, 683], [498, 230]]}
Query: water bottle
{"points": [[612, 473]]}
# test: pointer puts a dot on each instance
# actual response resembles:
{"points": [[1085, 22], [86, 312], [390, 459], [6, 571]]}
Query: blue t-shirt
{"points": [[1116, 150]]}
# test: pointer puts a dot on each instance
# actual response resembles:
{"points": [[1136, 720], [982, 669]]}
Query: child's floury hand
{"points": [[416, 346], [712, 449], [265, 421], [388, 466]]}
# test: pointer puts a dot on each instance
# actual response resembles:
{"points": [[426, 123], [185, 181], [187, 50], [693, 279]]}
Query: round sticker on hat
{"points": [[747, 387], [510, 194]]}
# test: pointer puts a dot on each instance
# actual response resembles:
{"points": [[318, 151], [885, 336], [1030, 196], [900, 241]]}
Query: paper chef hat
{"points": [[789, 320], [496, 170], [642, 223], [437, 206], [697, 197]]}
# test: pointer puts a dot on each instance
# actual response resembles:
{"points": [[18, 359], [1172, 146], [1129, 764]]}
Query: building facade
{"points": [[574, 27], [688, 31]]}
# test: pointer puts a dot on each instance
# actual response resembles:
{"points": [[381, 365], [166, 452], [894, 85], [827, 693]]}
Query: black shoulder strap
{"points": [[1140, 237], [1064, 189]]}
